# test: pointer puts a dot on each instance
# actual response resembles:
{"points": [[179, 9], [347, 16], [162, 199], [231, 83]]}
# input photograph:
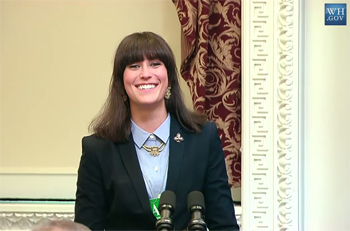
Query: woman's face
{"points": [[145, 83]]}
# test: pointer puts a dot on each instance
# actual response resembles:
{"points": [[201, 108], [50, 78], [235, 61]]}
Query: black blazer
{"points": [[111, 193]]}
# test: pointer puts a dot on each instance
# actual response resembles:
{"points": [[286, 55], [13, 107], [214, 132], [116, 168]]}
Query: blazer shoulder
{"points": [[209, 126], [93, 138], [94, 141]]}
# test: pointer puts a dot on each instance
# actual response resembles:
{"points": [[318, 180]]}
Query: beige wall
{"points": [[56, 63], [326, 84]]}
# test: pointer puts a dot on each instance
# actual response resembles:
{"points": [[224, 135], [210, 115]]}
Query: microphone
{"points": [[196, 205], [166, 207]]}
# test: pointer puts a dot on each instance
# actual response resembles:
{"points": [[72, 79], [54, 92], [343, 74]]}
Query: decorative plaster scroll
{"points": [[270, 115], [25, 215], [260, 119], [287, 117], [26, 220]]}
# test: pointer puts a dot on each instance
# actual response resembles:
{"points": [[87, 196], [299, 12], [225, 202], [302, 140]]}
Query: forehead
{"points": [[139, 56], [139, 50]]}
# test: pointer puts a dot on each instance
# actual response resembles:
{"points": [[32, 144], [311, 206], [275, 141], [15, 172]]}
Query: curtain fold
{"points": [[211, 67]]}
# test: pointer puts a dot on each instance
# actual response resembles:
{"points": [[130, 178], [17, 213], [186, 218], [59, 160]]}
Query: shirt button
{"points": [[151, 136], [156, 169]]}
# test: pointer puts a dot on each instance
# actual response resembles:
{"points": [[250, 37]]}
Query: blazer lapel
{"points": [[131, 162], [176, 152]]}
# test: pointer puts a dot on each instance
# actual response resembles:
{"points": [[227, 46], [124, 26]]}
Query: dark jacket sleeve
{"points": [[90, 208], [220, 214]]}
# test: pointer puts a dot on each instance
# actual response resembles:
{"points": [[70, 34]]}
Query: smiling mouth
{"points": [[146, 86]]}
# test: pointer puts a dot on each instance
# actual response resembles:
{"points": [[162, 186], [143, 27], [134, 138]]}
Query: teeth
{"points": [[148, 86]]}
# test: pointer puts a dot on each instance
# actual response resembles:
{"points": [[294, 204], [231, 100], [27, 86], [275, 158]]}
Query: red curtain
{"points": [[211, 67]]}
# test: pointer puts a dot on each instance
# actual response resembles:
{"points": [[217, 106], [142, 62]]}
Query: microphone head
{"points": [[167, 198], [195, 198]]}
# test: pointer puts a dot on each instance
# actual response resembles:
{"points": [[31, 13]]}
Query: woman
{"points": [[146, 141]]}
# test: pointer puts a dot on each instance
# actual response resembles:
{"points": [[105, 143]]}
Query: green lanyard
{"points": [[155, 202], [154, 206]]}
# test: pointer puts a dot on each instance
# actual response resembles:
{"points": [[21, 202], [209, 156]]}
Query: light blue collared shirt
{"points": [[154, 168]]}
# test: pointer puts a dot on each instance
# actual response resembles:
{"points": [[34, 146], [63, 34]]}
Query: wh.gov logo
{"points": [[335, 14]]}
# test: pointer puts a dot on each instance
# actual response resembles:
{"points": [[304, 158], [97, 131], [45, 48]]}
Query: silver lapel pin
{"points": [[178, 138]]}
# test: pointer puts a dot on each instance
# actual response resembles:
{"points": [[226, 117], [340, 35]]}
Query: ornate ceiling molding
{"points": [[270, 159]]}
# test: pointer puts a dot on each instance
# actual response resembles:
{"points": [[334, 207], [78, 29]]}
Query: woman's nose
{"points": [[145, 72]]}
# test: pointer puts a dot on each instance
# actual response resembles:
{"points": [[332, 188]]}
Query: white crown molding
{"points": [[24, 216], [270, 178]]}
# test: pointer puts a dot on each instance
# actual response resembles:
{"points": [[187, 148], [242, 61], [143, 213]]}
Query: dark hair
{"points": [[64, 225], [113, 121]]}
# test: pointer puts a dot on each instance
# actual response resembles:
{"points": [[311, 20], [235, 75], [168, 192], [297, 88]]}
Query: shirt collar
{"points": [[140, 136]]}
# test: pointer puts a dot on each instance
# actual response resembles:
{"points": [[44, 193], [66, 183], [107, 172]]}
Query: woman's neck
{"points": [[149, 120]]}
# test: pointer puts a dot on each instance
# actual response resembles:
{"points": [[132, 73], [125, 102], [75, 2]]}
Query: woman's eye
{"points": [[133, 66], [154, 64]]}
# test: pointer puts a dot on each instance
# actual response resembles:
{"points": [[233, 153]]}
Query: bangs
{"points": [[141, 46]]}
